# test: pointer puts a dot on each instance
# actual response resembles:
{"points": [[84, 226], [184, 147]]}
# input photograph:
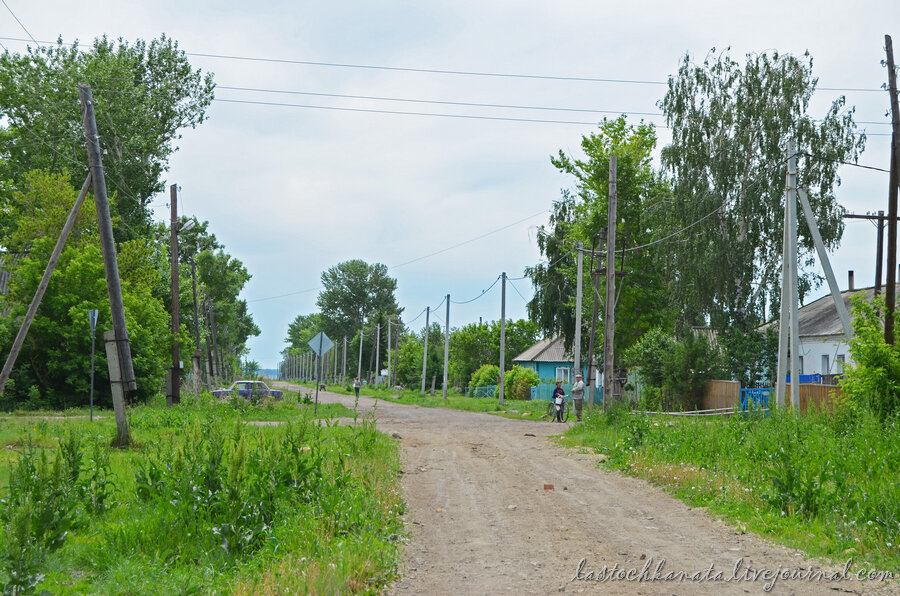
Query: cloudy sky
{"points": [[293, 190]]}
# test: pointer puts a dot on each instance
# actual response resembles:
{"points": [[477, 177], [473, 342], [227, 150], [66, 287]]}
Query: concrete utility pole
{"points": [[107, 244], [890, 291], [579, 260], [788, 326], [42, 286], [359, 366], [389, 354], [446, 347], [344, 364], [502, 334], [595, 281], [377, 352], [425, 350], [609, 319], [173, 395]]}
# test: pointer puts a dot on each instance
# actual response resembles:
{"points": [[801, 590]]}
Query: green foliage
{"points": [[873, 381], [730, 126], [54, 365], [476, 344], [354, 294], [750, 356], [144, 93], [678, 368], [486, 375], [409, 357], [518, 381], [581, 213]]}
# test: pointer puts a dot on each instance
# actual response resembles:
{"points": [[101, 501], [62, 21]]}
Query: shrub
{"points": [[874, 381], [487, 374], [518, 381]]}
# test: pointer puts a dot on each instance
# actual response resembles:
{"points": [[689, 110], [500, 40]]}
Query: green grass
{"points": [[823, 483], [512, 408], [201, 502]]}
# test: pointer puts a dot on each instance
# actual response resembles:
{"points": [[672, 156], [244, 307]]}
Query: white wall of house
{"points": [[824, 356]]}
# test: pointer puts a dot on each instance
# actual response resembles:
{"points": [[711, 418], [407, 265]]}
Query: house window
{"points": [[564, 374], [825, 368], [801, 365], [839, 363]]}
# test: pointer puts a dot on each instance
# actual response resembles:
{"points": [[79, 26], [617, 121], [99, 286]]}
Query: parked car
{"points": [[249, 390]]}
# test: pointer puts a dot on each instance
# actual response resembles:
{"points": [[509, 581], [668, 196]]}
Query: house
{"points": [[823, 347], [549, 359]]}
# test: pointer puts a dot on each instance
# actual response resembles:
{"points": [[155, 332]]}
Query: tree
{"points": [[409, 356], [730, 128], [581, 213], [476, 344], [302, 330], [144, 94]]}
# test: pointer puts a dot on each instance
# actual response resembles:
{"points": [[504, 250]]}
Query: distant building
{"points": [[549, 359], [823, 348]]}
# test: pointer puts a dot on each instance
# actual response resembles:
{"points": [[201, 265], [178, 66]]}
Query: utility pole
{"points": [[389, 354], [446, 347], [344, 364], [123, 370], [795, 290], [359, 366], [173, 396], [879, 252], [595, 281], [212, 326], [890, 292], [425, 350], [609, 321], [502, 334], [788, 326], [377, 352], [579, 260]]}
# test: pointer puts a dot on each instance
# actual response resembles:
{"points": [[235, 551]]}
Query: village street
{"points": [[481, 521]]}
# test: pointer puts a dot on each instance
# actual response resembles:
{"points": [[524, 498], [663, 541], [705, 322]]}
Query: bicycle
{"points": [[551, 410]]}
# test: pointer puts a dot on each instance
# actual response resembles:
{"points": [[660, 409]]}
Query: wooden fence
{"points": [[727, 394]]}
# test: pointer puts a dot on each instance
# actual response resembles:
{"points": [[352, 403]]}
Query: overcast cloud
{"points": [[292, 191]]}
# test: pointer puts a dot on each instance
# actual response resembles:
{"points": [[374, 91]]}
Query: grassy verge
{"points": [[201, 502], [512, 408], [824, 484]]}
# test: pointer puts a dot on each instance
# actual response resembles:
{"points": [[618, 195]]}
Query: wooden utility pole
{"points": [[446, 347], [195, 359], [107, 242], [609, 320], [173, 395], [377, 352], [502, 334], [890, 291], [216, 354], [344, 364], [42, 285], [425, 350]]}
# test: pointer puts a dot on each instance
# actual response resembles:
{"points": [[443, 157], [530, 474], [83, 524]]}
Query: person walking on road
{"points": [[356, 386], [578, 396]]}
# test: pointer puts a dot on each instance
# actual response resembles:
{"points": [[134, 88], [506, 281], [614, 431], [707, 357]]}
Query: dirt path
{"points": [[482, 522]]}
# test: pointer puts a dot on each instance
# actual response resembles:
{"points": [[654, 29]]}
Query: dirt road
{"points": [[494, 507]]}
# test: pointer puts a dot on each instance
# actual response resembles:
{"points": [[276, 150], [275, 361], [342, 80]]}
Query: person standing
{"points": [[356, 386], [578, 395], [559, 396]]}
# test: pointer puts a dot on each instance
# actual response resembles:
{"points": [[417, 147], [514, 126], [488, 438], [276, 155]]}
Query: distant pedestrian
{"points": [[578, 396], [559, 396], [356, 385]]}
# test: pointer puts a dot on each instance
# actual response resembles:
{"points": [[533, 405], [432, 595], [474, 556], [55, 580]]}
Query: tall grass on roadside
{"points": [[205, 502], [824, 483]]}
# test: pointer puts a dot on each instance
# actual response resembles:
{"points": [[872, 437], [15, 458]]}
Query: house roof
{"points": [[820, 318], [547, 350]]}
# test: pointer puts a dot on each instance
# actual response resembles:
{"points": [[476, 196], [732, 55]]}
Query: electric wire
{"points": [[483, 292], [525, 300], [417, 316], [846, 163]]}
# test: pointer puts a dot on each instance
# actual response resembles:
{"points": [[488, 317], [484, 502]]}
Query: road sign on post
{"points": [[320, 344]]}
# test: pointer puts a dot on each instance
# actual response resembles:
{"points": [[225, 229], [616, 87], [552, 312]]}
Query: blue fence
{"points": [[755, 400], [485, 391]]}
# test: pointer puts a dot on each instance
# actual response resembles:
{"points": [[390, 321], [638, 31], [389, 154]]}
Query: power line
{"points": [[438, 102], [846, 163], [483, 292], [443, 250], [525, 300], [25, 29], [404, 113], [441, 71]]}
